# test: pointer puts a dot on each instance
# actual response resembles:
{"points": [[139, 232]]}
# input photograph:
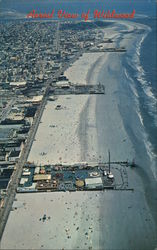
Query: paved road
{"points": [[11, 192], [7, 109]]}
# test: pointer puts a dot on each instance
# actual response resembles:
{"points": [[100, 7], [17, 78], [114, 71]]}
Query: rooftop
{"points": [[19, 84]]}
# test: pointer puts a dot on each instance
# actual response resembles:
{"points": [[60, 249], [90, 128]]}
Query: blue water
{"points": [[143, 7], [141, 67], [148, 58]]}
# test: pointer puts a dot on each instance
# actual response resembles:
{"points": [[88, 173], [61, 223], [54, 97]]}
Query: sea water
{"points": [[140, 68], [141, 71]]}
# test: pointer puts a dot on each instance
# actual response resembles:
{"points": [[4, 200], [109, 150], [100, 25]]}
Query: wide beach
{"points": [[82, 131]]}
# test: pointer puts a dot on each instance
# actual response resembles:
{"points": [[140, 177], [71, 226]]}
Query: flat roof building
{"points": [[42, 177], [23, 180], [93, 183], [18, 84]]}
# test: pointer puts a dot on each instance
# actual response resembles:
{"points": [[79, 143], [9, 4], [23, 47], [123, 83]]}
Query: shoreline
{"points": [[110, 215]]}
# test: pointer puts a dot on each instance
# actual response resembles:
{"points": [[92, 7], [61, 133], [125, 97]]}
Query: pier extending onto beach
{"points": [[76, 177], [73, 129], [74, 89]]}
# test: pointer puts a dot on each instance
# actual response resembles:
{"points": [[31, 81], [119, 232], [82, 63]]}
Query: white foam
{"points": [[147, 89], [132, 84], [152, 156], [149, 94], [140, 117]]}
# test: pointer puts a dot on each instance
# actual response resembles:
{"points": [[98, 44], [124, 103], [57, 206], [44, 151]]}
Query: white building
{"points": [[93, 183]]}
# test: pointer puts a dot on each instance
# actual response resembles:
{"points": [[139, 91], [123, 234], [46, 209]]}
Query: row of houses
{"points": [[10, 151]]}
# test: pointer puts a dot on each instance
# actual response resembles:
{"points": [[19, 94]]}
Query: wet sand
{"points": [[87, 127], [79, 220]]}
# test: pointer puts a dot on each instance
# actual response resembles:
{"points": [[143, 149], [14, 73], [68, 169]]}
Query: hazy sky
{"points": [[147, 7]]}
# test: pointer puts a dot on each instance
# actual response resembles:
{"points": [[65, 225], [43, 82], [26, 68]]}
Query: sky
{"points": [[145, 7]]}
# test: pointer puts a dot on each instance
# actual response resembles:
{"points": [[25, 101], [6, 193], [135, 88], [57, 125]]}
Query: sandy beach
{"points": [[82, 131], [78, 221]]}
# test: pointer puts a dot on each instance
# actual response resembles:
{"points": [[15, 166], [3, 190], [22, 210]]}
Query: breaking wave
{"points": [[150, 99], [147, 143]]}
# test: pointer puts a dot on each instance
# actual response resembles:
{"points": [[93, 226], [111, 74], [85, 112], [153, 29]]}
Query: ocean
{"points": [[126, 123], [140, 66], [141, 70]]}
